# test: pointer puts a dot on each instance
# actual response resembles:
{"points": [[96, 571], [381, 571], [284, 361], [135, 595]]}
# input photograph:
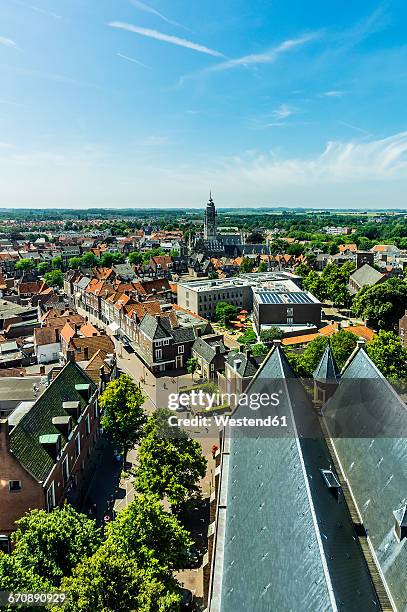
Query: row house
{"points": [[46, 449]]}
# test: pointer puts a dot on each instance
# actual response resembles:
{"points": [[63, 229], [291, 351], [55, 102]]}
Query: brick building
{"points": [[46, 448]]}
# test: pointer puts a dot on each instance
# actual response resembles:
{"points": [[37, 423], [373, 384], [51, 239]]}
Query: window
{"points": [[87, 425], [158, 354], [290, 320], [157, 342], [77, 445], [65, 470], [181, 348], [166, 342], [51, 497], [14, 485]]}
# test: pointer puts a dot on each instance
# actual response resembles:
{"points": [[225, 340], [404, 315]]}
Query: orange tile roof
{"points": [[361, 331], [348, 247]]}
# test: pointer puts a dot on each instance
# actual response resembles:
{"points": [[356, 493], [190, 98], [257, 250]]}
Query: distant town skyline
{"points": [[152, 104]]}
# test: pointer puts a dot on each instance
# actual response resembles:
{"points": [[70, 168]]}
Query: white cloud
{"points": [[174, 40], [131, 59], [333, 93], [283, 111], [7, 42], [267, 57], [340, 162], [37, 9], [149, 9]]}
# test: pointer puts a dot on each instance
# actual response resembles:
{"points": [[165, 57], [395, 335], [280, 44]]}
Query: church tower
{"points": [[210, 230]]}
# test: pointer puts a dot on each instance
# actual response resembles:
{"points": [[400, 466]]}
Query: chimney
{"points": [[42, 370], [57, 336], [277, 342], [360, 342], [70, 355], [4, 435]]}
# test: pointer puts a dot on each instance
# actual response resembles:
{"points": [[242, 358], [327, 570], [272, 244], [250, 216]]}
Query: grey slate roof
{"points": [[248, 365], [206, 348], [154, 329], [375, 465], [366, 275], [284, 543], [327, 370]]}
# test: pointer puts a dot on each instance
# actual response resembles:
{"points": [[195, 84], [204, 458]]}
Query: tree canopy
{"points": [[51, 543], [382, 305], [389, 355], [170, 462], [225, 312], [54, 278], [123, 417]]}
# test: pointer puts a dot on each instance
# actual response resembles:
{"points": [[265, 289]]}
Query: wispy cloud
{"points": [[268, 57], [174, 40], [376, 160], [333, 93], [149, 9], [37, 9], [7, 42], [355, 127], [132, 59], [283, 111]]}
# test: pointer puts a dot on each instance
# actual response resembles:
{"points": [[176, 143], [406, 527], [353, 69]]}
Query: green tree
{"points": [[248, 337], [25, 264], [225, 312], [57, 263], [15, 576], [314, 283], [268, 335], [192, 366], [389, 355], [109, 259], [170, 463], [135, 258], [75, 263], [262, 267], [302, 270], [55, 278], [123, 416], [43, 267], [89, 260], [342, 344], [50, 544], [108, 581], [382, 305], [247, 265], [150, 535], [259, 349]]}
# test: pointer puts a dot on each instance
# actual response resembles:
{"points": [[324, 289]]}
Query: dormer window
{"points": [[400, 526]]}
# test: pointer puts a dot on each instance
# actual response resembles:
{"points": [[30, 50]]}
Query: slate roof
{"points": [[24, 438], [248, 365], [206, 348], [155, 329], [327, 370], [374, 462], [283, 542], [366, 275]]}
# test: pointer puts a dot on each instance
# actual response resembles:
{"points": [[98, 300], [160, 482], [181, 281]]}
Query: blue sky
{"points": [[128, 103]]}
